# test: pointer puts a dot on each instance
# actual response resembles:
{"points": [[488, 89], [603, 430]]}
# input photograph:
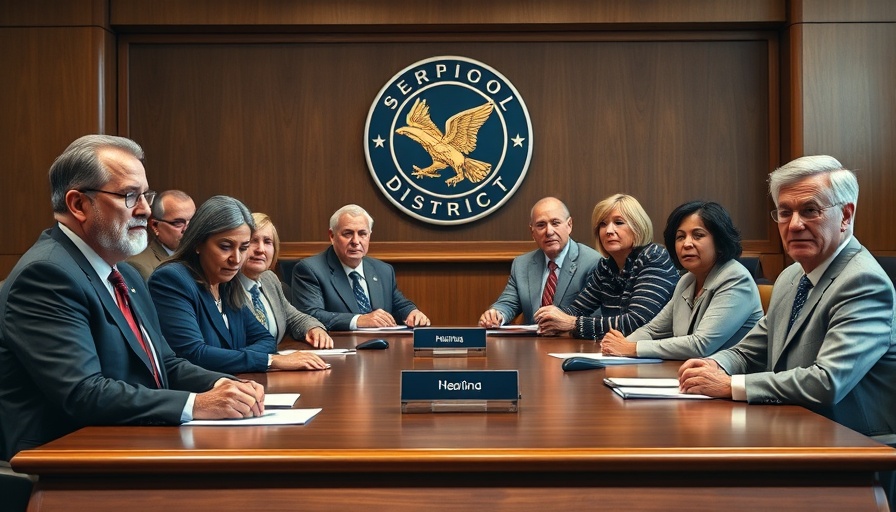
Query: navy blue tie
{"points": [[360, 296], [802, 292], [258, 306]]}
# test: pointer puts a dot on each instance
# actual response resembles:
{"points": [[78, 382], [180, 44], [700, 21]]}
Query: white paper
{"points": [[629, 392], [332, 351], [384, 329], [640, 382], [514, 329], [270, 417], [280, 400]]}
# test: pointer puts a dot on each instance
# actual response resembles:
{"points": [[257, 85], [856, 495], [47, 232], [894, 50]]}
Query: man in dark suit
{"points": [[346, 289], [171, 214], [828, 341], [80, 342], [530, 285]]}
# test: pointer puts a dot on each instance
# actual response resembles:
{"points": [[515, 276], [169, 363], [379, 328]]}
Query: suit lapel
{"points": [[105, 297], [566, 273], [215, 316], [535, 274], [341, 283], [815, 295], [375, 289], [275, 312]]}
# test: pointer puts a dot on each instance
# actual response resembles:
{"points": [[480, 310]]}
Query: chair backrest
{"points": [[889, 265], [754, 266], [765, 295], [284, 269]]}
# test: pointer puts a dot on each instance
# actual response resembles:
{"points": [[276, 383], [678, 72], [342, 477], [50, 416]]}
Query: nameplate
{"points": [[449, 342], [459, 391]]}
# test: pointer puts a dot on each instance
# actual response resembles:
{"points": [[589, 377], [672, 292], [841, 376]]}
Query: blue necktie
{"points": [[360, 296], [258, 306], [802, 292]]}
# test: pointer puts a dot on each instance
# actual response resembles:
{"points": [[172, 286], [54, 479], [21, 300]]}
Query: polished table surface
{"points": [[572, 442]]}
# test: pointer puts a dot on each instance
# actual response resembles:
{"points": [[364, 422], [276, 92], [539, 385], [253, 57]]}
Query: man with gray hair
{"points": [[827, 341], [171, 214], [80, 341], [346, 289]]}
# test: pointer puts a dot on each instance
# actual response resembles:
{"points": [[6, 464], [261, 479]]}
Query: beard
{"points": [[116, 237]]}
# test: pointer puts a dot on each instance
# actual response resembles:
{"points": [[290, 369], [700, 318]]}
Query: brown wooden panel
{"points": [[848, 105], [55, 89], [54, 13], [278, 125], [138, 13], [827, 11]]}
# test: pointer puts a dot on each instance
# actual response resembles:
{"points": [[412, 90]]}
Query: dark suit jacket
{"points": [[149, 259], [321, 289], [195, 328], [523, 291], [839, 358], [68, 358]]}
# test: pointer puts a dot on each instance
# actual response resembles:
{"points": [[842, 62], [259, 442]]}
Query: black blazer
{"points": [[68, 358]]}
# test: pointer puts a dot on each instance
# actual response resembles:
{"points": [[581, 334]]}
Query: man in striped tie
{"points": [[552, 274]]}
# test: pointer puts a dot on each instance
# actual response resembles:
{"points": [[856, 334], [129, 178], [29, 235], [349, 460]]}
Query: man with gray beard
{"points": [[80, 342]]}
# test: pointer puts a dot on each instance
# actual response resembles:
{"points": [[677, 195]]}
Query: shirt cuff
{"points": [[739, 388], [187, 414], [354, 323], [270, 360]]}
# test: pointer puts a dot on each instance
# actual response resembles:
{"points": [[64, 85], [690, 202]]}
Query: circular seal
{"points": [[448, 140]]}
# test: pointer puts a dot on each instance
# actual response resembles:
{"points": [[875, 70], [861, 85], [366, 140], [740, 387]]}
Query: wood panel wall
{"points": [[666, 100]]}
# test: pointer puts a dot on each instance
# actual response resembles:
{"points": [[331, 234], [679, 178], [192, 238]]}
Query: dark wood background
{"points": [[266, 101]]}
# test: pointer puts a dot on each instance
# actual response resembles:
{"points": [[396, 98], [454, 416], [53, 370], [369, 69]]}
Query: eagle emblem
{"points": [[448, 149]]}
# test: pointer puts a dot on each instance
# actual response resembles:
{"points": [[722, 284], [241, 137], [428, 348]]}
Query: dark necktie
{"points": [[550, 286], [802, 292], [258, 306], [124, 304], [360, 296]]}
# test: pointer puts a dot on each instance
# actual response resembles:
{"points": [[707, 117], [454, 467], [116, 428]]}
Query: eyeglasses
{"points": [[177, 223], [783, 215], [130, 199]]}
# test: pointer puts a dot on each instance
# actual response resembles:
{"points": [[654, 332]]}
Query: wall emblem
{"points": [[448, 140]]}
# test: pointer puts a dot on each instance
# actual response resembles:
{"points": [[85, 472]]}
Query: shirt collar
{"points": [[819, 271], [560, 257], [99, 265], [248, 283], [348, 270]]}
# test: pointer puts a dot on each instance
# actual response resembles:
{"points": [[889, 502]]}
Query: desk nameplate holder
{"points": [[449, 342], [427, 391]]}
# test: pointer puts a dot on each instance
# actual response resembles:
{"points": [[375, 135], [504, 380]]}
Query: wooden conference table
{"points": [[573, 445]]}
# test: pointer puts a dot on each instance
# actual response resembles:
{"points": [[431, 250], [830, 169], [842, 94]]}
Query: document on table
{"points": [[395, 328], [626, 392], [633, 387], [280, 400], [322, 351], [270, 417], [606, 360], [639, 382], [505, 330]]}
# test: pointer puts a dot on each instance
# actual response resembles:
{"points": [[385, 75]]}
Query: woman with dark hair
{"points": [[714, 305], [203, 310]]}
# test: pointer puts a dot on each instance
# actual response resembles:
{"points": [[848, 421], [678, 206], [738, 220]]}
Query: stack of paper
{"points": [[634, 387]]}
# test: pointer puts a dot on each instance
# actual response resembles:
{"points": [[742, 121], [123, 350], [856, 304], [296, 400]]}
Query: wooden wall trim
{"points": [[838, 11], [376, 14], [453, 252]]}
